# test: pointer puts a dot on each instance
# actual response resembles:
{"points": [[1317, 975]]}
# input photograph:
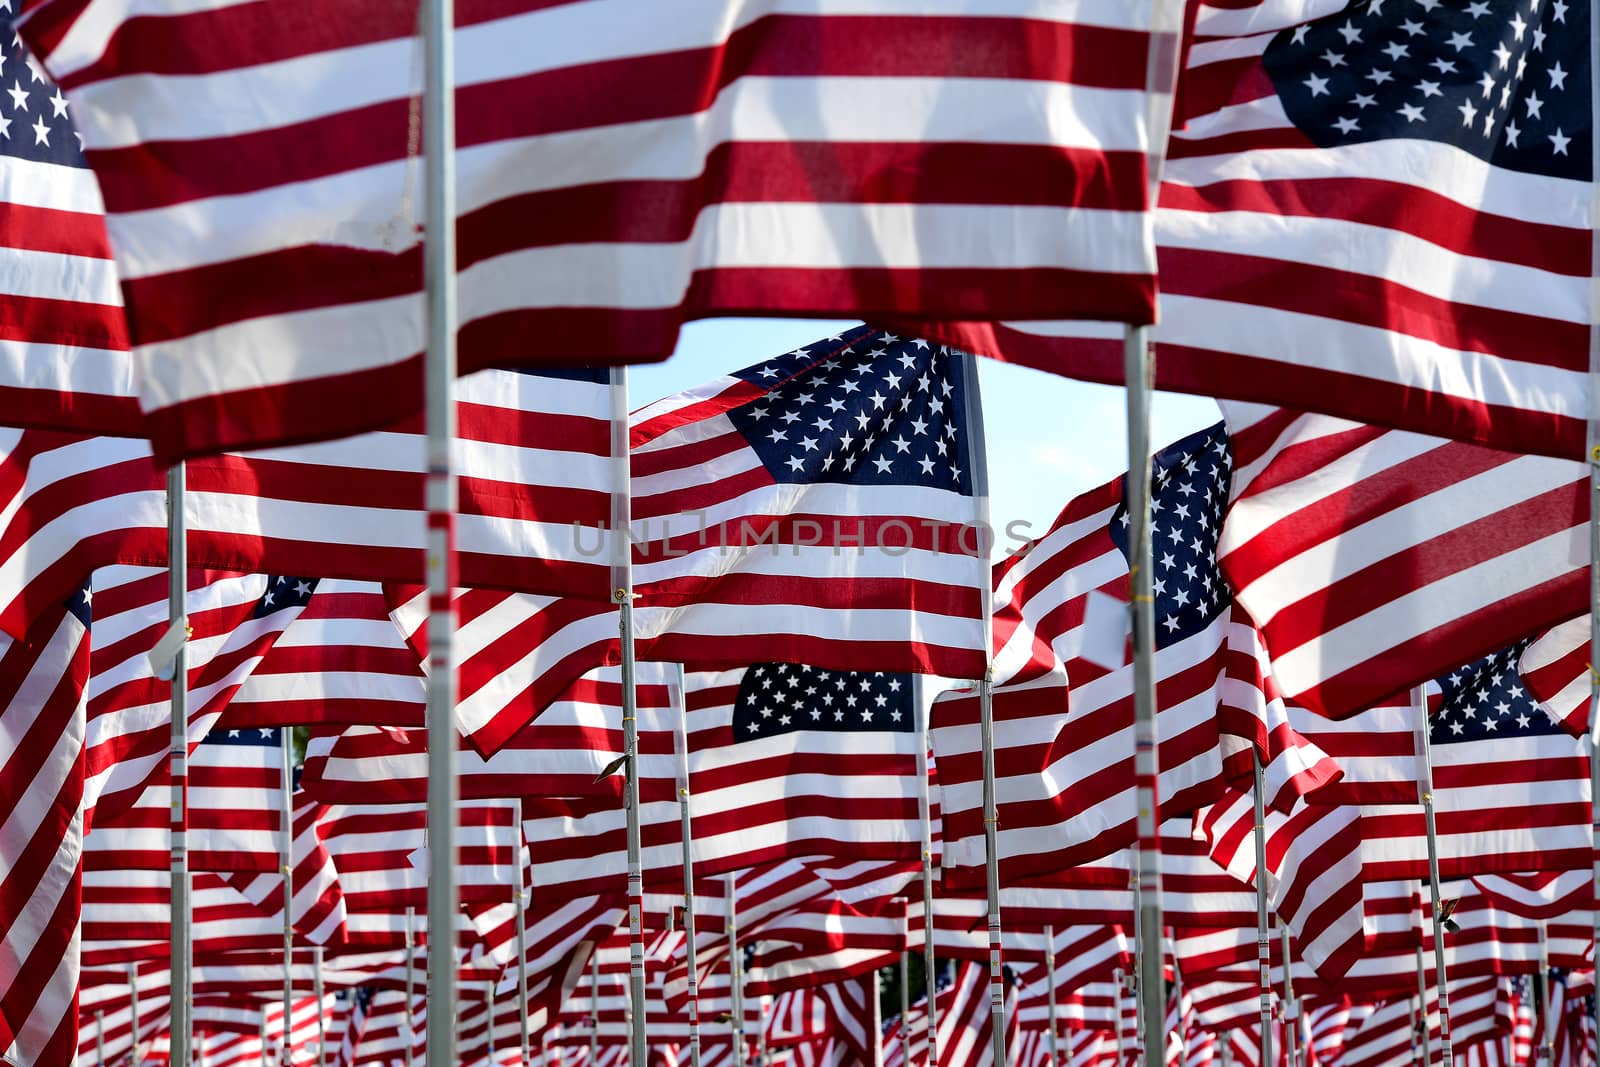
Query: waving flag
{"points": [[817, 508], [1347, 542], [298, 317], [1382, 214], [41, 849], [1555, 667]]}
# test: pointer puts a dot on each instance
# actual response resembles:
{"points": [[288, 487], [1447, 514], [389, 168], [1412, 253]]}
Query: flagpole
{"points": [[1050, 972], [1120, 978], [322, 1014], [133, 999], [411, 971], [925, 818], [1138, 367], [1225, 1040], [1263, 946], [1422, 1010], [100, 1039], [1419, 698], [594, 1007], [1594, 479], [1411, 1005], [178, 631], [1291, 1007], [1542, 989], [682, 745], [735, 974], [488, 999], [521, 896], [261, 1036], [1138, 955], [286, 846], [439, 378], [905, 998]]}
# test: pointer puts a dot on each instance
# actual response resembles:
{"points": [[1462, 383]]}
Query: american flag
{"points": [[537, 478], [1369, 214], [790, 760], [233, 619], [1065, 784], [316, 897], [574, 245], [1555, 667], [235, 797], [1540, 895], [819, 508], [41, 792], [1346, 542]]}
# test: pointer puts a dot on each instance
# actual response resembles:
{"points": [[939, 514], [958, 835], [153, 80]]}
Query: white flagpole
{"points": [[1124, 1055], [594, 1007], [682, 744], [488, 1000], [1419, 699], [100, 1038], [1291, 1007], [1050, 972], [905, 1005], [1416, 1051], [1542, 989], [439, 378], [1137, 372], [322, 1014], [286, 847], [521, 899], [622, 596], [411, 972], [735, 974], [178, 630], [133, 998], [925, 817], [1225, 1041], [1263, 946], [261, 1035], [1424, 1037], [1594, 477]]}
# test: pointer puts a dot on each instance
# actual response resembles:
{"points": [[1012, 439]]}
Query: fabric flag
{"points": [[724, 215], [789, 760], [316, 898], [537, 477], [235, 800], [1346, 542], [1541, 895], [820, 508], [42, 684], [1555, 668], [1382, 214], [233, 621]]}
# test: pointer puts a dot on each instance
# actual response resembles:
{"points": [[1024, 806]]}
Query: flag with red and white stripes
{"points": [[1555, 668], [1370, 214], [42, 684], [820, 507], [1346, 542], [300, 316], [316, 897]]}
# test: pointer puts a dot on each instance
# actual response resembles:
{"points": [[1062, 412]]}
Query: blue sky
{"points": [[1049, 438]]}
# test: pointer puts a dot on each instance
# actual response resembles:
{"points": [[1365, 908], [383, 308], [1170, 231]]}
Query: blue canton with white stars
{"points": [[862, 408], [245, 737], [284, 591], [1487, 699], [35, 121], [1506, 80], [1190, 483], [780, 698], [81, 605]]}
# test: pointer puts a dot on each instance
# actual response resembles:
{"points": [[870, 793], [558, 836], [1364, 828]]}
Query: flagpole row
{"points": [[1050, 974], [524, 1029], [925, 818], [1425, 1038], [1291, 1007], [178, 629], [439, 380], [1419, 698], [1263, 945], [690, 951], [411, 979], [286, 847], [1138, 368]]}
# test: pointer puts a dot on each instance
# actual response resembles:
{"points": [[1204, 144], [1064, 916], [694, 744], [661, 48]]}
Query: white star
{"points": [[882, 464], [1458, 41], [19, 97], [1512, 133], [926, 464], [1379, 76], [1412, 112], [1412, 27], [302, 589], [1395, 50], [1170, 622], [1443, 65], [1346, 125], [1503, 54], [1468, 113], [1522, 721], [1456, 728], [1538, 39], [892, 379], [1300, 32], [769, 372], [1332, 58], [795, 463], [58, 104], [1350, 34], [1518, 26], [1558, 11], [1477, 8], [5, 127], [955, 472], [901, 444], [1534, 104], [1558, 77], [1559, 142], [1363, 100], [1487, 81]]}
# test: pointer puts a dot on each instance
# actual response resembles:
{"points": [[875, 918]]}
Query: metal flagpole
{"points": [[991, 815], [594, 1007], [1416, 1054], [735, 974], [488, 1000], [286, 848], [178, 633], [1419, 700], [1138, 367], [1050, 972], [1542, 997], [411, 971], [761, 1020], [1594, 476], [521, 897], [1425, 1038], [1263, 946], [622, 596], [1225, 1041], [1120, 978], [682, 745], [100, 1038], [925, 817], [261, 1035], [322, 1014], [439, 379], [905, 1000], [1291, 1007], [133, 998]]}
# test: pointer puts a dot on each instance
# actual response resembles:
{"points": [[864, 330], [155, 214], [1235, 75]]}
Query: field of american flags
{"points": [[403, 658]]}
